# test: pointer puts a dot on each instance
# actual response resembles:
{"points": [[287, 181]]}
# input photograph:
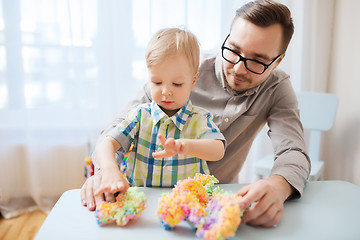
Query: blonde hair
{"points": [[173, 41]]}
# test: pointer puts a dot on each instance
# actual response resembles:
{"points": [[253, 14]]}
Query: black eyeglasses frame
{"points": [[244, 59]]}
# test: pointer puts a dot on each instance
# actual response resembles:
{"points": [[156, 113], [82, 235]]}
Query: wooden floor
{"points": [[22, 227]]}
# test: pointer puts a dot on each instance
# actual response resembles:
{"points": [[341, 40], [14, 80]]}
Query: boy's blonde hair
{"points": [[173, 41]]}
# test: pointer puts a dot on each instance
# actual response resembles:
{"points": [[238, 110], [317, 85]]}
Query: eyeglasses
{"points": [[252, 65]]}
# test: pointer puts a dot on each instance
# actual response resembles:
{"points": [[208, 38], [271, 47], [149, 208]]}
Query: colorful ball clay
{"points": [[126, 207], [214, 213]]}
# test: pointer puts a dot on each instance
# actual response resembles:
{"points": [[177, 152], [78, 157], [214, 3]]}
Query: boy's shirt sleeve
{"points": [[126, 130], [208, 128]]}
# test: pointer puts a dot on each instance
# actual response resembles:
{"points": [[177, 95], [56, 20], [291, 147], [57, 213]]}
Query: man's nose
{"points": [[240, 67]]}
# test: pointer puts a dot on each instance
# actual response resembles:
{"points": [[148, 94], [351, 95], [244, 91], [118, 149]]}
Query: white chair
{"points": [[317, 114]]}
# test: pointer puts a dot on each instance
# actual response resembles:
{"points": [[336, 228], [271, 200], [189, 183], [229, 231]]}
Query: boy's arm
{"points": [[206, 149], [143, 96], [112, 180]]}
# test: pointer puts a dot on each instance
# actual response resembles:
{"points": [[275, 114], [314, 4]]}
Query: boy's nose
{"points": [[166, 91]]}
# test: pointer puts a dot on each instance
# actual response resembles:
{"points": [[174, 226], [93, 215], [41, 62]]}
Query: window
{"points": [[73, 59]]}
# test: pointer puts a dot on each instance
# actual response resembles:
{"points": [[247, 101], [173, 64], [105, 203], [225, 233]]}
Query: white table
{"points": [[327, 210]]}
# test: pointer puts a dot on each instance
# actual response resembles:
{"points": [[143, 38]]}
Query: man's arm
{"points": [[264, 199], [287, 136]]}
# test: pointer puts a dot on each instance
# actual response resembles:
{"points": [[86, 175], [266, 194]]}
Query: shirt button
{"points": [[226, 120]]}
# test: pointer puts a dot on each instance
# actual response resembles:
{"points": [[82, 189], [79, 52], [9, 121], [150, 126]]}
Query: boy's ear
{"points": [[195, 79]]}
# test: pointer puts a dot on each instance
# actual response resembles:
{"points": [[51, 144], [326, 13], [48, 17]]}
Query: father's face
{"points": [[253, 42]]}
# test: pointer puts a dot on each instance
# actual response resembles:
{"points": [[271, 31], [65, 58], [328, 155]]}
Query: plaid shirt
{"points": [[141, 128]]}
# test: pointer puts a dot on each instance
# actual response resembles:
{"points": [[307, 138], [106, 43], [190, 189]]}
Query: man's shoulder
{"points": [[278, 88], [207, 62], [209, 73], [277, 78], [279, 75]]}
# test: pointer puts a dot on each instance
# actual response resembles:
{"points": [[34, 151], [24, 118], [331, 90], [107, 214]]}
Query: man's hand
{"points": [[265, 201], [87, 195], [171, 147]]}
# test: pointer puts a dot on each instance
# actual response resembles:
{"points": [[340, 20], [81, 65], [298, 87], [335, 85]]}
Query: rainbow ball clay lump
{"points": [[214, 213], [127, 206]]}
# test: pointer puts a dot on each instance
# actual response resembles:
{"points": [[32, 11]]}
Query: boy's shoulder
{"points": [[142, 110], [143, 107], [200, 111]]}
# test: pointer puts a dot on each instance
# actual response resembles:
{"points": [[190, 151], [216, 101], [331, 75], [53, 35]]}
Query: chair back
{"points": [[317, 114]]}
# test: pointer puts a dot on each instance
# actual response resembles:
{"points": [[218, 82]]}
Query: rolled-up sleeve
{"points": [[287, 137]]}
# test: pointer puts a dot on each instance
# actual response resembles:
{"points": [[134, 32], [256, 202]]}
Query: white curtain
{"points": [[68, 67], [342, 144]]}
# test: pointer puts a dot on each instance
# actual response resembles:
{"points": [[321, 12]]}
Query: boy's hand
{"points": [[88, 198], [112, 181], [171, 147]]}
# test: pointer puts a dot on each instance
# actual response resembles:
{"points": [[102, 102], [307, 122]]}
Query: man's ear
{"points": [[279, 60], [195, 79]]}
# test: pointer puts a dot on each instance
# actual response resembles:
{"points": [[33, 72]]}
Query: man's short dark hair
{"points": [[264, 13]]}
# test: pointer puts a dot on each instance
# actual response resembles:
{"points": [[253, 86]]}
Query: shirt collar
{"points": [[220, 75], [179, 118], [156, 113]]}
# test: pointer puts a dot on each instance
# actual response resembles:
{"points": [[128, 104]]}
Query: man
{"points": [[243, 90]]}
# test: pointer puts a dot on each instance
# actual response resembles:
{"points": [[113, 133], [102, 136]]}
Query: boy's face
{"points": [[254, 42], [171, 82]]}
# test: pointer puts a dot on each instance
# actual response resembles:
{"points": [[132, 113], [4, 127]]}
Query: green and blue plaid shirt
{"points": [[141, 128]]}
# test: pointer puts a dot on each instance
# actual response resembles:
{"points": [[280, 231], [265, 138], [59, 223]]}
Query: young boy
{"points": [[171, 137]]}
